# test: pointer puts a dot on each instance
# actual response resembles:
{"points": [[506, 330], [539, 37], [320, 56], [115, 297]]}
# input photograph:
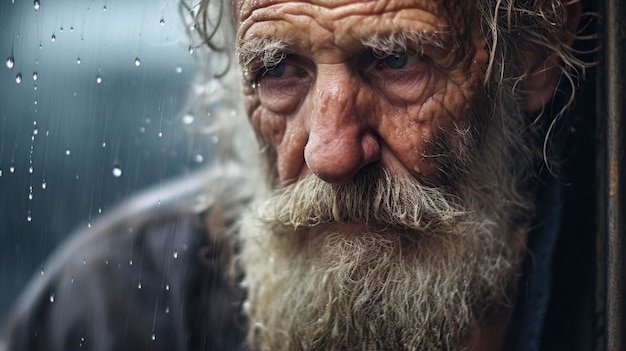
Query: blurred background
{"points": [[92, 110]]}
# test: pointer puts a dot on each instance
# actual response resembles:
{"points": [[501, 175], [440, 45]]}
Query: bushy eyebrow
{"points": [[383, 44], [267, 52]]}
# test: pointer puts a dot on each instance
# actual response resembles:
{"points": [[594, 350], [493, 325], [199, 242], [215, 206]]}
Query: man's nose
{"points": [[341, 141]]}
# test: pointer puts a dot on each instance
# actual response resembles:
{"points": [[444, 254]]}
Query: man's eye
{"points": [[281, 70], [400, 60]]}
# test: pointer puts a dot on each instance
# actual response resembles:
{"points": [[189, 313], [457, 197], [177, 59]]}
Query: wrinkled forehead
{"points": [[453, 9], [381, 17], [249, 5]]}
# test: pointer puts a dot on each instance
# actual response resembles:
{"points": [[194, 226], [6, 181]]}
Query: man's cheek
{"points": [[269, 127]]}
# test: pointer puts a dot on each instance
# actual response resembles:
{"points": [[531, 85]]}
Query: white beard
{"points": [[428, 269]]}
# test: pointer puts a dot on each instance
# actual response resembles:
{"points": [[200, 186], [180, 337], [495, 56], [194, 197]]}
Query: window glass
{"points": [[92, 110]]}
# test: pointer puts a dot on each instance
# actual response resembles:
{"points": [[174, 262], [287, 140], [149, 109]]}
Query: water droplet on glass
{"points": [[30, 169], [35, 76], [44, 185], [142, 129], [18, 78], [53, 38], [36, 5], [130, 263], [88, 224], [72, 280], [175, 254], [29, 217], [188, 119], [160, 134], [71, 28], [52, 298], [153, 337], [67, 152], [198, 158], [179, 69], [162, 22], [139, 286], [104, 8], [167, 309], [0, 173], [78, 60], [191, 50], [98, 79], [61, 29], [84, 261], [12, 169], [10, 62], [167, 287], [41, 271], [137, 62], [117, 171], [99, 209], [35, 131]]}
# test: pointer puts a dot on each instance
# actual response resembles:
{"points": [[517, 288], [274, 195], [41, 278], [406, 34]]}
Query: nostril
{"points": [[339, 159]]}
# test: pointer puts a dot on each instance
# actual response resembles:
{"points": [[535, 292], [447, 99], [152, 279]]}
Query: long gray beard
{"points": [[429, 268]]}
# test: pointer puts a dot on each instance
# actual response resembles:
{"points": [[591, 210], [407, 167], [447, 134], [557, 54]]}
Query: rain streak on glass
{"points": [[89, 96]]}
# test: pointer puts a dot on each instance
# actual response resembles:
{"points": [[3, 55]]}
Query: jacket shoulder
{"points": [[145, 277]]}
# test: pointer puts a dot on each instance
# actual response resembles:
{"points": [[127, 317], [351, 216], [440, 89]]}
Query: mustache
{"points": [[375, 197]]}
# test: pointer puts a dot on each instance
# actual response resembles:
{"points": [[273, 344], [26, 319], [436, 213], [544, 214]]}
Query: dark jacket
{"points": [[147, 277]]}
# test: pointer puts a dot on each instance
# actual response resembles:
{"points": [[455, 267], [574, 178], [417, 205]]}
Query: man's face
{"points": [[400, 210], [335, 85]]}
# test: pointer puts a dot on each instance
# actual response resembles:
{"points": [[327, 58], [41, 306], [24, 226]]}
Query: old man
{"points": [[397, 190]]}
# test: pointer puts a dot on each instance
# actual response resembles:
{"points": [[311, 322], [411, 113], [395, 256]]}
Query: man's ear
{"points": [[543, 74]]}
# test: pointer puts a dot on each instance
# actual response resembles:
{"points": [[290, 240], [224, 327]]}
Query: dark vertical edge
{"points": [[612, 202], [601, 181]]}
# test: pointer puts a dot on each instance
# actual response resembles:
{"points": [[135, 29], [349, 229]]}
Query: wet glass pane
{"points": [[92, 110]]}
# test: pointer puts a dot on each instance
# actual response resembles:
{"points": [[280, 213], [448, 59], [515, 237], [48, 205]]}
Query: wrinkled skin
{"points": [[326, 99], [332, 107]]}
